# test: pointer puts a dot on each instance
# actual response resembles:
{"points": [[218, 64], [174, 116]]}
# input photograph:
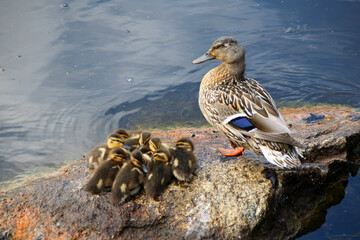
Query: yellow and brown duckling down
{"points": [[242, 109], [139, 141], [100, 153], [147, 163], [105, 174], [184, 160], [123, 133], [130, 179], [160, 173], [155, 144]]}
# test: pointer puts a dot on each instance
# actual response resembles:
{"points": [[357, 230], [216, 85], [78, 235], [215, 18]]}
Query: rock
{"points": [[229, 198]]}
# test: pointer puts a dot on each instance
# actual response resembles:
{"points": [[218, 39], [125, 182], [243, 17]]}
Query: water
{"points": [[73, 71]]}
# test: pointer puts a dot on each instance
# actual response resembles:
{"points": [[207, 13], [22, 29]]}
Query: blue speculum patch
{"points": [[243, 123]]}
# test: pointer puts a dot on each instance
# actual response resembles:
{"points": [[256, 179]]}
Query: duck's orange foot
{"points": [[229, 152]]}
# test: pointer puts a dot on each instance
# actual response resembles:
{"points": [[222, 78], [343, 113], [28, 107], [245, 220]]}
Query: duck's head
{"points": [[116, 141], [144, 138], [185, 143], [162, 155], [225, 49], [138, 160], [119, 155], [123, 133], [155, 144]]}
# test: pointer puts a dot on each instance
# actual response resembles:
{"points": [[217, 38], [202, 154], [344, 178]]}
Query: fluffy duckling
{"points": [[140, 141], [100, 153], [184, 159], [105, 174], [130, 178], [160, 173], [242, 109], [123, 133], [156, 144]]}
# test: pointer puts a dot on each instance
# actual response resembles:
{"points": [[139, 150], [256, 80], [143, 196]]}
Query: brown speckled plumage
{"points": [[226, 95]]}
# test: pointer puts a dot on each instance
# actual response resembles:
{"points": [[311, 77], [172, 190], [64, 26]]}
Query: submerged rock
{"points": [[229, 198]]}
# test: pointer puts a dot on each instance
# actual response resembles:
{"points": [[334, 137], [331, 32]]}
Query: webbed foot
{"points": [[238, 151]]}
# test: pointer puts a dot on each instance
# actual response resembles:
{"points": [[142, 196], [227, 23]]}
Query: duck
{"points": [[101, 152], [155, 144], [105, 174], [139, 141], [160, 173], [123, 133], [241, 109], [184, 160], [130, 179]]}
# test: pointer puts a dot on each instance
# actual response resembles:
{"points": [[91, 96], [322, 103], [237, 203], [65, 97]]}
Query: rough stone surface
{"points": [[229, 198]]}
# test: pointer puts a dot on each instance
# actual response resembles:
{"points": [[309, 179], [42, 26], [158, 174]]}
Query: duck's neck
{"points": [[236, 69]]}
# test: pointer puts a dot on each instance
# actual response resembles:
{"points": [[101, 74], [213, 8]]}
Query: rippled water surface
{"points": [[73, 71]]}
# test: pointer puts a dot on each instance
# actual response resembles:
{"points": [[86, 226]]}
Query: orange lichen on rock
{"points": [[25, 223]]}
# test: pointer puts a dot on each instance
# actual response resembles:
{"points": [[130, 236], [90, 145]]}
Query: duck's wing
{"points": [[245, 107]]}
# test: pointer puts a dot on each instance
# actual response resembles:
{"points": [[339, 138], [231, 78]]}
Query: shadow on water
{"points": [[172, 107], [312, 209], [326, 205]]}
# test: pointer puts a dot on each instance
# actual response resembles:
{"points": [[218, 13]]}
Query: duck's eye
{"points": [[219, 46]]}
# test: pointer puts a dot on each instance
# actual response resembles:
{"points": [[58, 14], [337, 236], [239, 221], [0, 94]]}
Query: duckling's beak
{"points": [[126, 146], [145, 169], [206, 57]]}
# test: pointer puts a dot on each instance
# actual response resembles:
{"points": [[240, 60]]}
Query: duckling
{"points": [[130, 178], [100, 153], [140, 141], [184, 160], [156, 144], [123, 133], [242, 109], [160, 173], [97, 155], [105, 174]]}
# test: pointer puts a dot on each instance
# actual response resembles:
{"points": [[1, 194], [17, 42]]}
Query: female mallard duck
{"points": [[242, 109], [105, 174], [100, 153]]}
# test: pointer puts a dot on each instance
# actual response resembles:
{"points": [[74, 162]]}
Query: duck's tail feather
{"points": [[283, 159]]}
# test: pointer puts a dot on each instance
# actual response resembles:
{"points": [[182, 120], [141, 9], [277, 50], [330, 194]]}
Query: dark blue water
{"points": [[72, 71]]}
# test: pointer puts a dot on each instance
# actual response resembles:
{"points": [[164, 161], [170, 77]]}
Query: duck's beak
{"points": [[206, 57], [126, 146], [145, 168]]}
